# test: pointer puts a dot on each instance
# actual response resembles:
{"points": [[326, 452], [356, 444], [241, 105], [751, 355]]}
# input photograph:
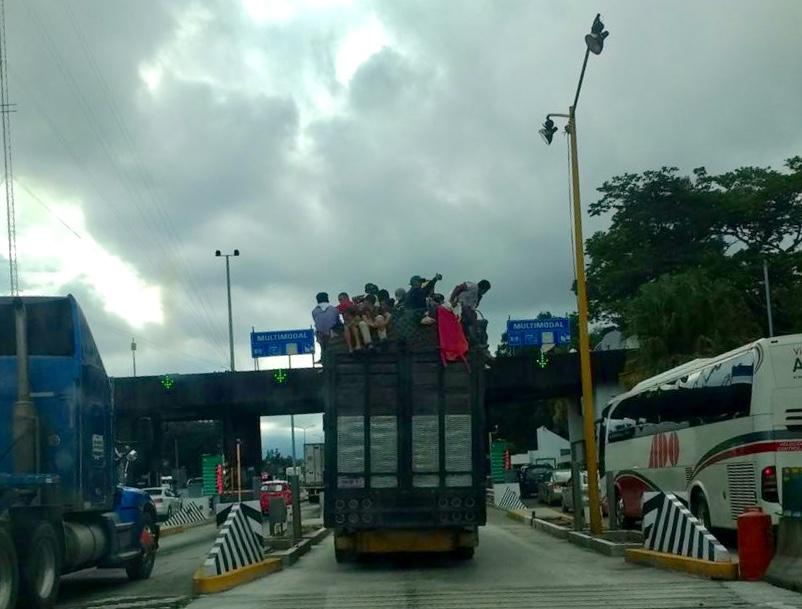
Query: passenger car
{"points": [[551, 489], [274, 488], [530, 478], [166, 501]]}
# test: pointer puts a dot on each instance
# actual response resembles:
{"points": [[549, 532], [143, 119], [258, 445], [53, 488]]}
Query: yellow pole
{"points": [[588, 414]]}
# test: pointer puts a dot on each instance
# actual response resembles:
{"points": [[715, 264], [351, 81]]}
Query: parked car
{"points": [[166, 501], [530, 478], [274, 488], [568, 495], [550, 491]]}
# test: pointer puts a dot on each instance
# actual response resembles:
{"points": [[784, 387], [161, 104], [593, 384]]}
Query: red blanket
{"points": [[453, 344]]}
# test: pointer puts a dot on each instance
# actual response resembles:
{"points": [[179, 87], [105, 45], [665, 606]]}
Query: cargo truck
{"points": [[61, 509], [313, 470], [405, 452]]}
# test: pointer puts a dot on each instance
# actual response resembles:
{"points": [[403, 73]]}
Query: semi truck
{"points": [[61, 508], [314, 458], [405, 452]]}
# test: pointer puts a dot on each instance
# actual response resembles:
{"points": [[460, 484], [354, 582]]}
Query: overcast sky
{"points": [[335, 142]]}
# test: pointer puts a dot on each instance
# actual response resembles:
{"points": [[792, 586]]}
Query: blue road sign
{"points": [[282, 342], [529, 332]]}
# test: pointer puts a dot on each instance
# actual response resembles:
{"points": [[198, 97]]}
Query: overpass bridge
{"points": [[238, 399]]}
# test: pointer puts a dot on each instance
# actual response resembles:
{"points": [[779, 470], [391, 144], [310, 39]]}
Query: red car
{"points": [[274, 488]]}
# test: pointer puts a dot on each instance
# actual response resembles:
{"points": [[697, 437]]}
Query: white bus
{"points": [[716, 432]]}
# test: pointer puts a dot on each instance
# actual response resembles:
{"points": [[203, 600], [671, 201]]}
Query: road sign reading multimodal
{"points": [[283, 342], [529, 332]]}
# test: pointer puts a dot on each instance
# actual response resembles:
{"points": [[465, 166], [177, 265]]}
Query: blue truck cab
{"points": [[61, 507]]}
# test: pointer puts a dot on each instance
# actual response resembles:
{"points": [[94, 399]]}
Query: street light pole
{"points": [[595, 44], [588, 411], [230, 317]]}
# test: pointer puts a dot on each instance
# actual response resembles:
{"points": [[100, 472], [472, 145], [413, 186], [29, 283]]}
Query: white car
{"points": [[167, 502], [568, 494]]}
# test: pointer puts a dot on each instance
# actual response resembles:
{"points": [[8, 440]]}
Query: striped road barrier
{"points": [[511, 500], [238, 554], [188, 515], [674, 538]]}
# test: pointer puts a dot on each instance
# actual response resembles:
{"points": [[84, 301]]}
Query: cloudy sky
{"points": [[335, 142]]}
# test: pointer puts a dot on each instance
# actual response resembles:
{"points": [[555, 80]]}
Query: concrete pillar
{"points": [[246, 428]]}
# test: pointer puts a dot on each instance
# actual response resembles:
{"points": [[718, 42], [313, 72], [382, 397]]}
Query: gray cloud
{"points": [[427, 160]]}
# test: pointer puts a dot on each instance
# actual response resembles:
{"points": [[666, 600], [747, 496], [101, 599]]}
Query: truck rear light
{"points": [[339, 504], [769, 484], [353, 504], [470, 502], [340, 519], [456, 502], [456, 517], [470, 517], [353, 518], [367, 518], [442, 502], [367, 503]]}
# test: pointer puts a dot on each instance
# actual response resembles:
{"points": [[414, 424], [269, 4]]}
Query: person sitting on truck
{"points": [[348, 310], [367, 319], [384, 314], [326, 318], [468, 295]]}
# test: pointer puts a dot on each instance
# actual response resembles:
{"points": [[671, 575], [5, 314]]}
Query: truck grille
{"points": [[383, 445], [425, 444], [458, 442], [741, 479], [350, 444]]}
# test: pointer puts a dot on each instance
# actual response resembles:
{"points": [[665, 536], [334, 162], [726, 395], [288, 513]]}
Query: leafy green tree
{"points": [[684, 316], [276, 464]]}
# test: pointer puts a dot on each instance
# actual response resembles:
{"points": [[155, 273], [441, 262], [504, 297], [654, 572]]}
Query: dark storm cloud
{"points": [[427, 160]]}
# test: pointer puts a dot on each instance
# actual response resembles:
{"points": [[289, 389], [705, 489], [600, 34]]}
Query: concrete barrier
{"points": [[508, 493], [238, 554], [786, 567], [674, 538], [189, 514]]}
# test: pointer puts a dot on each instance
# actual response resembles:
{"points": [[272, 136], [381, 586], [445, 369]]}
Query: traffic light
{"points": [[219, 478], [507, 459]]}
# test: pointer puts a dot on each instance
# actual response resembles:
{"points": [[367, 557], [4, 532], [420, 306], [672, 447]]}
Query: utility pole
{"points": [[230, 317], [768, 296], [133, 353], [6, 108]]}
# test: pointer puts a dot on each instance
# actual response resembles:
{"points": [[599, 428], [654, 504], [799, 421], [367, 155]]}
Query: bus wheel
{"points": [[701, 509], [40, 567], [9, 571]]}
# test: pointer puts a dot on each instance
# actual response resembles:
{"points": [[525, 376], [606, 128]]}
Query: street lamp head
{"points": [[595, 40], [548, 131], [217, 253], [236, 252]]}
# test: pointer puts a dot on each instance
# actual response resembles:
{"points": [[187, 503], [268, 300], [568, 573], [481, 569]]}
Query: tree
{"points": [[661, 224], [276, 464], [684, 316], [725, 225]]}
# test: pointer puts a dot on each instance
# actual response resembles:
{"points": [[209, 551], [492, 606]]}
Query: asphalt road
{"points": [[515, 567], [169, 586]]}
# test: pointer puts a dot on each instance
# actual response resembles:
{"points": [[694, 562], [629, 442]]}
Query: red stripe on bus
{"points": [[752, 449]]}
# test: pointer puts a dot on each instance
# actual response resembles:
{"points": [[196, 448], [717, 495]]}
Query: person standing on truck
{"points": [[420, 289], [468, 295], [326, 318]]}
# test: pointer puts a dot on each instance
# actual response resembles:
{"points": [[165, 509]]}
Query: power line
{"points": [[5, 110], [125, 178]]}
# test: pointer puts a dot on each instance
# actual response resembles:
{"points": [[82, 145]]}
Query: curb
{"points": [[291, 555], [204, 584], [694, 566], [601, 545]]}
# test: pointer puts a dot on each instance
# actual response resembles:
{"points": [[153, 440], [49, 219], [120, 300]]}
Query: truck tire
{"points": [[39, 567], [464, 553], [142, 566], [9, 571], [344, 556]]}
